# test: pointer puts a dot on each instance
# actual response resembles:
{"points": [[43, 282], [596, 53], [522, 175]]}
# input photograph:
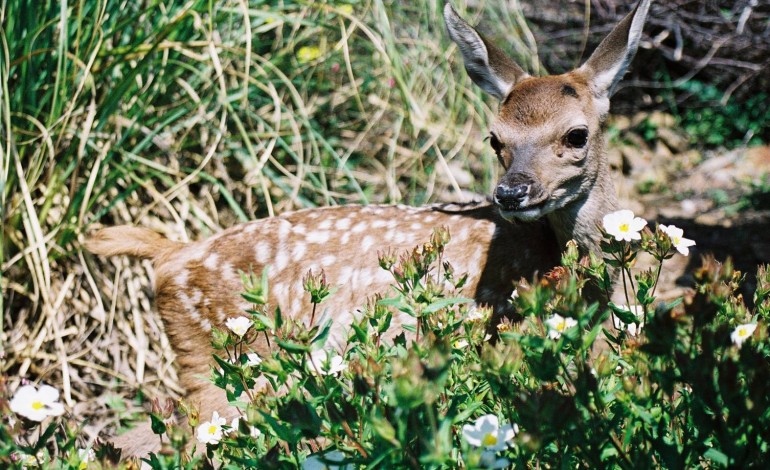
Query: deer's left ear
{"points": [[609, 62]]}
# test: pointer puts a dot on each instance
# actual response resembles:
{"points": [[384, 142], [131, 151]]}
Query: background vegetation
{"points": [[191, 116]]}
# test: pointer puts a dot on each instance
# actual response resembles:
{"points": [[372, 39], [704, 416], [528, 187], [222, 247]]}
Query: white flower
{"points": [[486, 432], [460, 344], [321, 363], [623, 225], [477, 314], [35, 404], [675, 233], [253, 432], [742, 333], [631, 328], [85, 456], [558, 325], [318, 461], [253, 359], [210, 432], [238, 325]]}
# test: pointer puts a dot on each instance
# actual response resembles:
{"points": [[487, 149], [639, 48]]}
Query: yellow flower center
{"points": [[489, 439], [623, 227], [743, 332], [83, 465], [562, 325], [212, 429], [37, 405]]}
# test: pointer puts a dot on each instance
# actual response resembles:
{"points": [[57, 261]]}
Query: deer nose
{"points": [[511, 197]]}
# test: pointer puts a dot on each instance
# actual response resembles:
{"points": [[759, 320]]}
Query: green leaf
{"points": [[291, 346], [157, 424], [398, 303], [384, 429], [320, 339], [717, 456], [443, 303], [626, 316]]}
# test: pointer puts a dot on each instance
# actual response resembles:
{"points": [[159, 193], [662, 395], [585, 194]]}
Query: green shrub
{"points": [[668, 385]]}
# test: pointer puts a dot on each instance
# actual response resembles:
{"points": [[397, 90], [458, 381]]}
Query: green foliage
{"points": [[670, 385], [711, 123]]}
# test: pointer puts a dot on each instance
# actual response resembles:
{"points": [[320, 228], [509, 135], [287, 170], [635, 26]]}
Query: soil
{"points": [[721, 199]]}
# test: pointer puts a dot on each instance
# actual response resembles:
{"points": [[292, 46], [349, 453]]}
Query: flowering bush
{"points": [[640, 384]]}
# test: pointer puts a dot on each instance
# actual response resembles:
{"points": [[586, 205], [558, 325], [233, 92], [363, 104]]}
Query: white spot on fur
{"points": [[190, 303], [345, 274], [262, 252], [181, 278], [325, 225], [417, 226], [345, 238], [367, 242], [400, 237], [212, 261], [299, 229], [328, 260], [317, 237], [206, 325], [298, 252], [284, 230], [296, 305], [379, 224], [281, 260], [360, 227], [228, 272], [342, 224], [250, 228]]}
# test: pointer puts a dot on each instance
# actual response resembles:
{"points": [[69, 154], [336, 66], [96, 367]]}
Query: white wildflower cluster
{"points": [[623, 225], [213, 431]]}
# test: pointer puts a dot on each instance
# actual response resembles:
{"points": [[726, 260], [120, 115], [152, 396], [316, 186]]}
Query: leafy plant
{"points": [[713, 123]]}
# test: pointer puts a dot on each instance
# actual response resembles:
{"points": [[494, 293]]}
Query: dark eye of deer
{"points": [[497, 146], [577, 138]]}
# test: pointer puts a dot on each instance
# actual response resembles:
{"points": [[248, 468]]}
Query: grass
{"points": [[191, 116]]}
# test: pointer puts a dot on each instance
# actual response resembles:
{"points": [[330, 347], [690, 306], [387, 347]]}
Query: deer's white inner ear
{"points": [[477, 56], [609, 62]]}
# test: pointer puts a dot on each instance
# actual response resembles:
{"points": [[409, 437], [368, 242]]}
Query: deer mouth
{"points": [[530, 210]]}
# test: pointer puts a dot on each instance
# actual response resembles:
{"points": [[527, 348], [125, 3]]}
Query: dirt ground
{"points": [[704, 193]]}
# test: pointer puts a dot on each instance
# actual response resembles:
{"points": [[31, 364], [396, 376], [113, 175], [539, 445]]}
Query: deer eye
{"points": [[577, 138], [497, 146]]}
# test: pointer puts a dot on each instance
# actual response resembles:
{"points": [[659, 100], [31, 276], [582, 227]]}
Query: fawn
{"points": [[548, 137]]}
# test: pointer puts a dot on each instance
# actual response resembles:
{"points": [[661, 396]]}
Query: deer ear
{"points": [[488, 66], [610, 60]]}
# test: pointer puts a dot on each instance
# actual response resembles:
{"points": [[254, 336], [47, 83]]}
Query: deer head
{"points": [[548, 133]]}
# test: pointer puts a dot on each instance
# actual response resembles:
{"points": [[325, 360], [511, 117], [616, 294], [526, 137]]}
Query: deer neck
{"points": [[580, 220]]}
